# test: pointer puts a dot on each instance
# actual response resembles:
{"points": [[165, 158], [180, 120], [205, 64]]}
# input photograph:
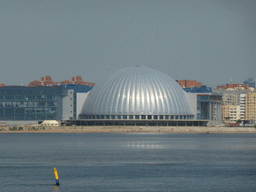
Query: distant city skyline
{"points": [[210, 41]]}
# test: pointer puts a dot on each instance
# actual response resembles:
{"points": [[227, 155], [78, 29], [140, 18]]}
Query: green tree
{"points": [[239, 121]]}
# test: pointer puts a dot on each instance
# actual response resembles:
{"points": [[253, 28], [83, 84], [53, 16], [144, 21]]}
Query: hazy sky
{"points": [[211, 41]]}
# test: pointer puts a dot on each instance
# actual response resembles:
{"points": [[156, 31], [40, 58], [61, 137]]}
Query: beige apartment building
{"points": [[237, 104], [230, 113], [250, 107], [245, 111]]}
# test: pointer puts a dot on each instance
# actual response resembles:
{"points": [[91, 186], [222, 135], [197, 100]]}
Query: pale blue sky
{"points": [[211, 41]]}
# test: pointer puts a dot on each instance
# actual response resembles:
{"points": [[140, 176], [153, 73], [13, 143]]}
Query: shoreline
{"points": [[126, 129]]}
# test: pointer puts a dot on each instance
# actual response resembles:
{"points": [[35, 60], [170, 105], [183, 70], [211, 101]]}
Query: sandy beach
{"points": [[124, 129]]}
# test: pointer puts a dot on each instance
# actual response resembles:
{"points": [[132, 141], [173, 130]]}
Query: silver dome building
{"points": [[136, 94]]}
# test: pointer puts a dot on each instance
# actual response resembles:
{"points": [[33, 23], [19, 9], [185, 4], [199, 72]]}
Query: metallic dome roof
{"points": [[137, 91]]}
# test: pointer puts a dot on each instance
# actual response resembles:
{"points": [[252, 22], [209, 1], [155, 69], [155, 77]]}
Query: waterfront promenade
{"points": [[124, 129]]}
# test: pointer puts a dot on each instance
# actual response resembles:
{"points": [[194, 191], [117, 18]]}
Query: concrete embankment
{"points": [[124, 129]]}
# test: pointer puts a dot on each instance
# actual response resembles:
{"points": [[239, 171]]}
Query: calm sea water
{"points": [[128, 162]]}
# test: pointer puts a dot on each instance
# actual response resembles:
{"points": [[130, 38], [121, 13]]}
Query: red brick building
{"points": [[47, 81], [233, 86], [189, 83]]}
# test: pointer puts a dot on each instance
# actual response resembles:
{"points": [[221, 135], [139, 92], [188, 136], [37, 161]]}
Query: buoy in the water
{"points": [[56, 176]]}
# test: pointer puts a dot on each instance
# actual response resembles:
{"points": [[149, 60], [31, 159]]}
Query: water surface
{"points": [[128, 162]]}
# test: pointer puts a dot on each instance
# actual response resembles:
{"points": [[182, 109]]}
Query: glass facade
{"points": [[29, 103], [203, 107], [19, 103]]}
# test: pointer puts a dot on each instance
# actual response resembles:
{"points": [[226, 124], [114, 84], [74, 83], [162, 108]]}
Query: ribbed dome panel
{"points": [[137, 91]]}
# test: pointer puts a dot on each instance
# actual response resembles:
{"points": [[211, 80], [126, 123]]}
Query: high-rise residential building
{"points": [[250, 107], [231, 99], [242, 107]]}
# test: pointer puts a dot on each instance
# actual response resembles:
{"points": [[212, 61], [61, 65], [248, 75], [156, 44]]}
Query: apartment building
{"points": [[231, 98], [242, 107], [250, 107], [230, 113], [238, 104]]}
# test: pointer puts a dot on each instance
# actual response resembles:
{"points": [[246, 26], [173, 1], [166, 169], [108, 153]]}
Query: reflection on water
{"points": [[56, 188], [144, 144], [128, 162]]}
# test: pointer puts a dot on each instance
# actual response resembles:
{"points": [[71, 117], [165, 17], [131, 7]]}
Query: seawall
{"points": [[124, 129]]}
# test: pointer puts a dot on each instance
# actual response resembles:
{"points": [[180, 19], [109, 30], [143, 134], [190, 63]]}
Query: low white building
{"points": [[50, 123]]}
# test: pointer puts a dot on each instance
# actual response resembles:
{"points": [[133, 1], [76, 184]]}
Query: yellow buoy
{"points": [[56, 176]]}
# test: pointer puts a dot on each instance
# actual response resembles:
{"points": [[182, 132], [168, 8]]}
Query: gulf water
{"points": [[128, 162]]}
